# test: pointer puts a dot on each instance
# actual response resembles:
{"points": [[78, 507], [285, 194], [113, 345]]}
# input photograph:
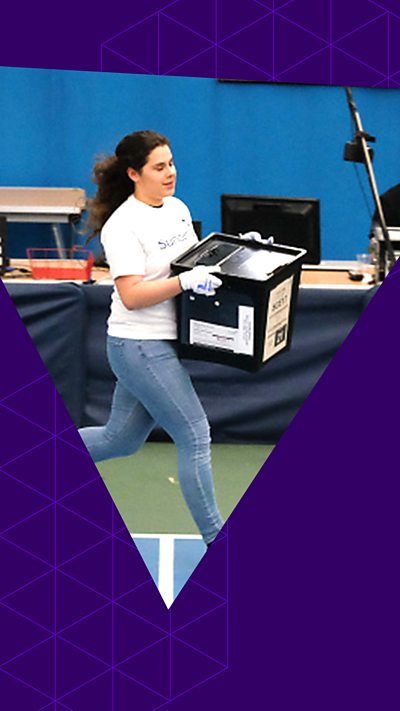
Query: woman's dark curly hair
{"points": [[110, 175]]}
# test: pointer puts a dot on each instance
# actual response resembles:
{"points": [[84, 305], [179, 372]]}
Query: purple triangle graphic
{"points": [[317, 68], [211, 573], [18, 634], [391, 5], [93, 634], [232, 18], [36, 535], [254, 45], [15, 695], [129, 569], [35, 468], [309, 15], [293, 45], [229, 66], [99, 690], [29, 435], [146, 602], [368, 45], [393, 45], [29, 503], [178, 44], [21, 568], [120, 530], [346, 17], [36, 667], [62, 417], [138, 44], [18, 336], [151, 667], [132, 634], [393, 82], [189, 667], [193, 602], [207, 634], [36, 601], [93, 568], [74, 469], [84, 536], [204, 65], [387, 84], [348, 71], [71, 436], [74, 668], [37, 397], [129, 694], [199, 18], [74, 601], [91, 503], [113, 61]]}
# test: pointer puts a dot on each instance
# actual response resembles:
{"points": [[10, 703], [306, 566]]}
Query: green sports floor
{"points": [[146, 491]]}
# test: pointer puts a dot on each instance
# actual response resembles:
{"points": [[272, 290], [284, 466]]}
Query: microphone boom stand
{"points": [[361, 137]]}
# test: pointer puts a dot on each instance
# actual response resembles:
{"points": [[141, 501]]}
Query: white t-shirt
{"points": [[141, 239]]}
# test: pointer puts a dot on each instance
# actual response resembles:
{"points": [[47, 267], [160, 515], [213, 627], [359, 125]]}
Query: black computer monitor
{"points": [[291, 221]]}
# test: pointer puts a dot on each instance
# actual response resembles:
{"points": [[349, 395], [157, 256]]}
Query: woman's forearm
{"points": [[135, 293]]}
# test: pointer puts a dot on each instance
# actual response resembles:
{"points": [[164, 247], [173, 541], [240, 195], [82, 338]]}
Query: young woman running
{"points": [[143, 229]]}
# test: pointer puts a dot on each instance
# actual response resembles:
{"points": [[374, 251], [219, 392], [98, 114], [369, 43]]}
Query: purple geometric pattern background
{"points": [[313, 586], [269, 40], [81, 618]]}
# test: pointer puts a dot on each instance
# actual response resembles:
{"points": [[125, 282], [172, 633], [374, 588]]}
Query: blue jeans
{"points": [[153, 387]]}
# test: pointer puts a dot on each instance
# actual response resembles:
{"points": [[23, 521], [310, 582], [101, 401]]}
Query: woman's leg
{"points": [[126, 431], [152, 372]]}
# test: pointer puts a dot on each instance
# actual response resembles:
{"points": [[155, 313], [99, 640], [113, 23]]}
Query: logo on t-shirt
{"points": [[171, 241]]}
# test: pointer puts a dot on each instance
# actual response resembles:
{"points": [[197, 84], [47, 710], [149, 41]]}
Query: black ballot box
{"points": [[249, 320]]}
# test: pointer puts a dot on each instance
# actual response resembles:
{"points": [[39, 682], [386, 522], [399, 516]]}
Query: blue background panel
{"points": [[227, 137]]}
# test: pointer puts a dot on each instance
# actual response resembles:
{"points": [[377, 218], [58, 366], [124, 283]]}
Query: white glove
{"points": [[256, 237], [200, 280]]}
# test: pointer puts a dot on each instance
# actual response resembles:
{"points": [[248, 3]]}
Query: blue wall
{"points": [[226, 137]]}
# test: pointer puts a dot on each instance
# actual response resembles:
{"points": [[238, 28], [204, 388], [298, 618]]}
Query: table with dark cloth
{"points": [[67, 323]]}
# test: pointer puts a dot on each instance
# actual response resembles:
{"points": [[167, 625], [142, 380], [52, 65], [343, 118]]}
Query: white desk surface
{"points": [[20, 203], [309, 279]]}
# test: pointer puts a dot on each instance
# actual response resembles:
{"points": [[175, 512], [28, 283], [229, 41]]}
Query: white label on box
{"points": [[202, 333], [245, 332], [277, 327], [237, 340]]}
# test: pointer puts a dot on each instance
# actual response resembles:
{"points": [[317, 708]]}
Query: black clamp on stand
{"points": [[358, 151]]}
